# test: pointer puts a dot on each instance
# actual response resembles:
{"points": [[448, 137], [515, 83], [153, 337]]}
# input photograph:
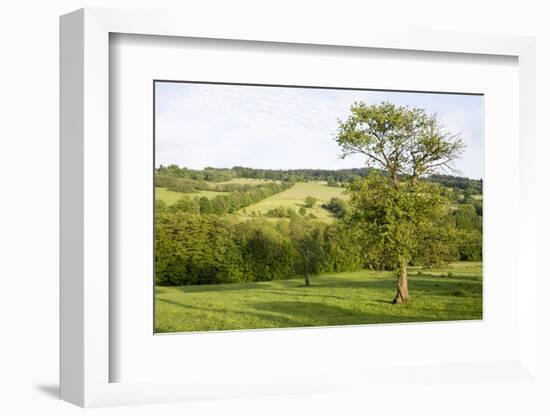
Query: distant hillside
{"points": [[335, 177]]}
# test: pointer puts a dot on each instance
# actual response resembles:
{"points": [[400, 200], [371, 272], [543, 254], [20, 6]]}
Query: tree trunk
{"points": [[306, 270], [402, 295], [395, 180]]}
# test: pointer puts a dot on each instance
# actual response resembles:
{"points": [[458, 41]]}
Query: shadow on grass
{"points": [[387, 302], [321, 314], [272, 321], [290, 314], [425, 285], [226, 287], [301, 293]]}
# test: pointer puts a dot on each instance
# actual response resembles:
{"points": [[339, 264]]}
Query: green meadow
{"points": [[171, 197], [351, 298], [295, 197]]}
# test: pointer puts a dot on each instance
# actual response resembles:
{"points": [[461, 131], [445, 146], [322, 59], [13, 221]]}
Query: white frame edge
{"points": [[84, 179]]}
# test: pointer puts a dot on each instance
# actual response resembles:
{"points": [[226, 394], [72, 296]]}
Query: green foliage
{"points": [[466, 218], [205, 205], [470, 245], [266, 251], [398, 139], [402, 225], [194, 248], [469, 225], [342, 249], [302, 211], [404, 219], [310, 201], [337, 206], [185, 204], [307, 237], [208, 174], [160, 206], [279, 212]]}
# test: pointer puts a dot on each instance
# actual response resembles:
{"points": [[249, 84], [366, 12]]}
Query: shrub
{"points": [[310, 201]]}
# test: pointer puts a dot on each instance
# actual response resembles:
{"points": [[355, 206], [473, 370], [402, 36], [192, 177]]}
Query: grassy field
{"points": [[452, 293], [295, 196], [170, 197]]}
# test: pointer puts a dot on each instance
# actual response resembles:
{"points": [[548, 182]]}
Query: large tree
{"points": [[405, 220]]}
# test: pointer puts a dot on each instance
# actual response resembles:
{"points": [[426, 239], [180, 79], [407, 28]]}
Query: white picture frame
{"points": [[85, 350]]}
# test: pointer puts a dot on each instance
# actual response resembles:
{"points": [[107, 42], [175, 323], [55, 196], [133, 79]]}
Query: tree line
{"points": [[196, 249], [209, 176], [223, 203], [188, 185]]}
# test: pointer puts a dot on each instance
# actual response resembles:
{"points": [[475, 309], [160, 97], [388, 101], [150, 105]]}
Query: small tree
{"points": [[185, 204], [406, 143], [310, 201], [307, 238]]}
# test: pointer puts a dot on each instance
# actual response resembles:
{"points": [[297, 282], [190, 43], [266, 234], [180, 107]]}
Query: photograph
{"points": [[284, 206]]}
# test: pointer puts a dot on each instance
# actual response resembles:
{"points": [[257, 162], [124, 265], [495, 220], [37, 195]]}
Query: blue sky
{"points": [[199, 125]]}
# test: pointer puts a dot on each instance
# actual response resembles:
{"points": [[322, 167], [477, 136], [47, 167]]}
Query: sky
{"points": [[200, 125]]}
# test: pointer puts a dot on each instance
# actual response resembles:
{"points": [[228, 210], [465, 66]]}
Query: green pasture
{"points": [[294, 198], [170, 197], [364, 297]]}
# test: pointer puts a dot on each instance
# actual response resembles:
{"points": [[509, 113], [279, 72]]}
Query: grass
{"points": [[170, 197], [295, 196], [362, 297], [462, 268]]}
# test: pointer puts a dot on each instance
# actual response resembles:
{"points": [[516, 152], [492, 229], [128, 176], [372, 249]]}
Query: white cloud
{"points": [[201, 125]]}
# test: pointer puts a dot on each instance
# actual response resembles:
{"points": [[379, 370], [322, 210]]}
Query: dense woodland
{"points": [[200, 241]]}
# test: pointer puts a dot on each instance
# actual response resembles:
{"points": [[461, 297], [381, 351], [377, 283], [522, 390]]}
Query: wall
{"points": [[29, 208]]}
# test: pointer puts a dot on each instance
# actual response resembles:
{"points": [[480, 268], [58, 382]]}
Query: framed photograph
{"points": [[274, 206], [274, 212]]}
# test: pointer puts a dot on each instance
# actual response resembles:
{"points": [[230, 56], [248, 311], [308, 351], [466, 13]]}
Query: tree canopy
{"points": [[399, 139]]}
